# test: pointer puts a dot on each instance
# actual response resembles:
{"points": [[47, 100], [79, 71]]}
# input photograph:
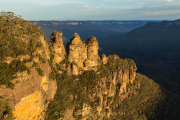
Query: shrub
{"points": [[40, 71], [7, 71], [66, 62], [35, 64], [5, 109]]}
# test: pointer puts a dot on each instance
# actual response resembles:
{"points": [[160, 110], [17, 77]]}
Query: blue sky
{"points": [[93, 9]]}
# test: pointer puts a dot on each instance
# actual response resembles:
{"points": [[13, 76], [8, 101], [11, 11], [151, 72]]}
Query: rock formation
{"points": [[92, 53], [77, 53], [104, 58], [31, 93], [83, 54], [116, 76], [113, 86], [57, 46]]}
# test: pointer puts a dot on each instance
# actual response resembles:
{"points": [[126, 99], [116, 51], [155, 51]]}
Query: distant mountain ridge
{"points": [[155, 49], [99, 29], [157, 38], [86, 22], [164, 23]]}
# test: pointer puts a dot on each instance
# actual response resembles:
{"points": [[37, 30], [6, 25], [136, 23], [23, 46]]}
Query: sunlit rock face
{"points": [[104, 59], [77, 53], [92, 53], [57, 46], [83, 54], [31, 93]]}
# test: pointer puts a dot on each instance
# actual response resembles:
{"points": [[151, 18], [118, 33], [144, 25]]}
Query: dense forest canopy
{"points": [[17, 36]]}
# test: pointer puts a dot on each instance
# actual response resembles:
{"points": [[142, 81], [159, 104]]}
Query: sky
{"points": [[93, 9]]}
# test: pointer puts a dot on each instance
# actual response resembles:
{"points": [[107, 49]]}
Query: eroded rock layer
{"points": [[31, 93], [84, 55], [116, 79], [57, 46], [34, 90]]}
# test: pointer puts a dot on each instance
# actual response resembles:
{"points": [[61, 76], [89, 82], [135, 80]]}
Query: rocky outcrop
{"points": [[91, 62], [115, 87], [32, 92], [77, 53], [116, 77], [84, 55], [104, 59], [57, 46]]}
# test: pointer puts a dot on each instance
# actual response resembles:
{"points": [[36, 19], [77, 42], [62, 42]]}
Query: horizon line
{"points": [[102, 20]]}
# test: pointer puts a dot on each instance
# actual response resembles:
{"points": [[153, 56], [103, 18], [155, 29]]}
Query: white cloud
{"points": [[169, 0], [42, 2], [132, 0], [163, 12], [142, 1], [84, 6]]}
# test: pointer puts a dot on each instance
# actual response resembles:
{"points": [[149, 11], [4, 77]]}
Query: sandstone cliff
{"points": [[30, 94], [99, 84], [38, 80], [93, 87], [57, 46], [82, 55], [24, 69]]}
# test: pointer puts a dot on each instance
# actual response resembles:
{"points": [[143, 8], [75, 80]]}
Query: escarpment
{"points": [[57, 46], [88, 86], [95, 86], [32, 89], [24, 70], [38, 81]]}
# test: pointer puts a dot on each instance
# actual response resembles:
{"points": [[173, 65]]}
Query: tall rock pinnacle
{"points": [[92, 53], [77, 52], [58, 47], [83, 54]]}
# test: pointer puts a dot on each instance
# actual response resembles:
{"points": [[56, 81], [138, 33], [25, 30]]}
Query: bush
{"points": [[40, 71], [35, 64], [5, 109], [43, 60], [66, 62], [17, 37], [7, 71]]}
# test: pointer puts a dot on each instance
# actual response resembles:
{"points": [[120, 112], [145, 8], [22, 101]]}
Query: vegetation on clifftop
{"points": [[114, 64], [8, 71], [17, 37], [73, 91]]}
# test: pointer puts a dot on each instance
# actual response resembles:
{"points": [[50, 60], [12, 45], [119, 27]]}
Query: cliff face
{"points": [[77, 53], [104, 82], [58, 47], [82, 55], [90, 83], [115, 87], [28, 99]]}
